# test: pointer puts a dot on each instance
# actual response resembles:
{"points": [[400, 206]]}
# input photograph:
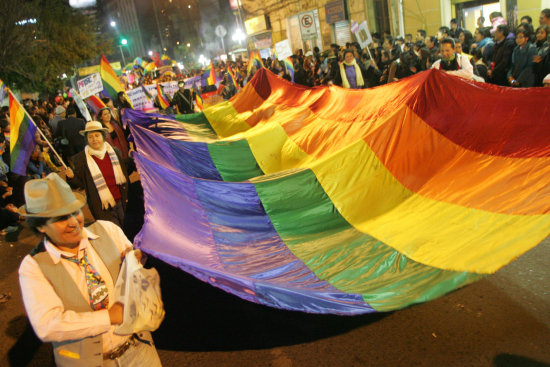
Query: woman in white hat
{"points": [[67, 282], [101, 171]]}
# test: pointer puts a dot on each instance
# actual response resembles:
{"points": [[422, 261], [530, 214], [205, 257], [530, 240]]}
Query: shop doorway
{"points": [[467, 13]]}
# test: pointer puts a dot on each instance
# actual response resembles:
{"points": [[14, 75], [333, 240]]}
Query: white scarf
{"points": [[358, 75], [105, 195]]}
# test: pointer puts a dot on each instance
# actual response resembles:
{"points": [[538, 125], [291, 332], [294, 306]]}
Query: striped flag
{"points": [[163, 100], [95, 103], [22, 137], [2, 91], [211, 79], [110, 81], [198, 98], [258, 59], [354, 27], [232, 77], [275, 55], [289, 66], [146, 92]]}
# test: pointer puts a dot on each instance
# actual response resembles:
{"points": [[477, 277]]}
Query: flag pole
{"points": [[37, 128]]}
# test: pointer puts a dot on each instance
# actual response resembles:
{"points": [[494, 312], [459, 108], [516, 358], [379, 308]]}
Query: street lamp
{"points": [[113, 23]]}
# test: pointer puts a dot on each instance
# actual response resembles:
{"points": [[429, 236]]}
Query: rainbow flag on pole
{"points": [[163, 100], [211, 79], [22, 137], [2, 91], [198, 98], [232, 77], [254, 59], [109, 79], [287, 61], [95, 103]]}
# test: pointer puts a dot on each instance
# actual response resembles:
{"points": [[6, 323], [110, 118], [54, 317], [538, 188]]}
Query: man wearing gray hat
{"points": [[59, 115], [67, 281], [101, 171]]}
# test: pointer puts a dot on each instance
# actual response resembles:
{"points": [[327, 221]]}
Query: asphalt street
{"points": [[501, 321]]}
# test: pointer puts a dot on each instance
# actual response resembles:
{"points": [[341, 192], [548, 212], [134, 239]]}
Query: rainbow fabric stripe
{"points": [[163, 101], [21, 137], [95, 103], [232, 77], [289, 67], [211, 72], [328, 200]]}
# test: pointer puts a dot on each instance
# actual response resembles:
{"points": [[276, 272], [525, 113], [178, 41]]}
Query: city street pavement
{"points": [[502, 321]]}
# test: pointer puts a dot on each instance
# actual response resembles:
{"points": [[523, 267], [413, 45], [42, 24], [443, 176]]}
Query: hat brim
{"points": [[68, 209], [83, 132]]}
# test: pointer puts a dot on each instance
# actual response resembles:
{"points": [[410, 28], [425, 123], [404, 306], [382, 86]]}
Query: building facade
{"points": [[278, 20]]}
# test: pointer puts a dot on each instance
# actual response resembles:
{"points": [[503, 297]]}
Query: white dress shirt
{"points": [[49, 319]]}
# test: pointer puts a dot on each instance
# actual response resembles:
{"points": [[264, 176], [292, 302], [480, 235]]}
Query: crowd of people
{"points": [[501, 54], [96, 158]]}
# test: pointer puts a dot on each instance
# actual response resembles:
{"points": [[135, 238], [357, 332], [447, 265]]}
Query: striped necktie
{"points": [[97, 290]]}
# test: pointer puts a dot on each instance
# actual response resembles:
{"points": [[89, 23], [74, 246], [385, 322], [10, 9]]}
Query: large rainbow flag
{"points": [[329, 200], [22, 133]]}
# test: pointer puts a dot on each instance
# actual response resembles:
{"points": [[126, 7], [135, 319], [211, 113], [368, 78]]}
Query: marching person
{"points": [[67, 282], [101, 171]]}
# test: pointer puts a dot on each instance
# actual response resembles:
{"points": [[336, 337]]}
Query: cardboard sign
{"points": [[363, 35], [283, 49], [90, 85]]}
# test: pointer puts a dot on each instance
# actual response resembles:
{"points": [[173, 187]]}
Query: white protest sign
{"points": [[307, 25], [81, 105], [363, 35], [90, 85], [283, 49], [141, 102]]}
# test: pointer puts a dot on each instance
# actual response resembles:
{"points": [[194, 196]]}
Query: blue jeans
{"points": [[140, 354]]}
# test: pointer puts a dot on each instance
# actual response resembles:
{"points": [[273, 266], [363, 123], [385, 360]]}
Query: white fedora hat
{"points": [[93, 126], [50, 197]]}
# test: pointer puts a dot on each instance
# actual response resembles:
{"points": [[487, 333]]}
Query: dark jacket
{"points": [[183, 101], [522, 65], [502, 58], [83, 179], [70, 130]]}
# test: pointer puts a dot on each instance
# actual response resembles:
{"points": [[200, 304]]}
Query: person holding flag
{"points": [[182, 99]]}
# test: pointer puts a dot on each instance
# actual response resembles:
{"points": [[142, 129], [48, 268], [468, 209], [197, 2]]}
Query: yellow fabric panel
{"points": [[225, 120], [431, 232]]}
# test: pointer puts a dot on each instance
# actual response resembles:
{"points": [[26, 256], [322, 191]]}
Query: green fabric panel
{"points": [[234, 160], [351, 261], [197, 125]]}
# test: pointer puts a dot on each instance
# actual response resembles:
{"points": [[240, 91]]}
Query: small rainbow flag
{"points": [[275, 55], [198, 98], [163, 101], [22, 137], [211, 79], [95, 103], [146, 92], [2, 91], [232, 77], [289, 66]]}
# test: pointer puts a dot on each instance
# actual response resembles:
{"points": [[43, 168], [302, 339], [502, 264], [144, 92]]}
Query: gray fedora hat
{"points": [[93, 126], [50, 197]]}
